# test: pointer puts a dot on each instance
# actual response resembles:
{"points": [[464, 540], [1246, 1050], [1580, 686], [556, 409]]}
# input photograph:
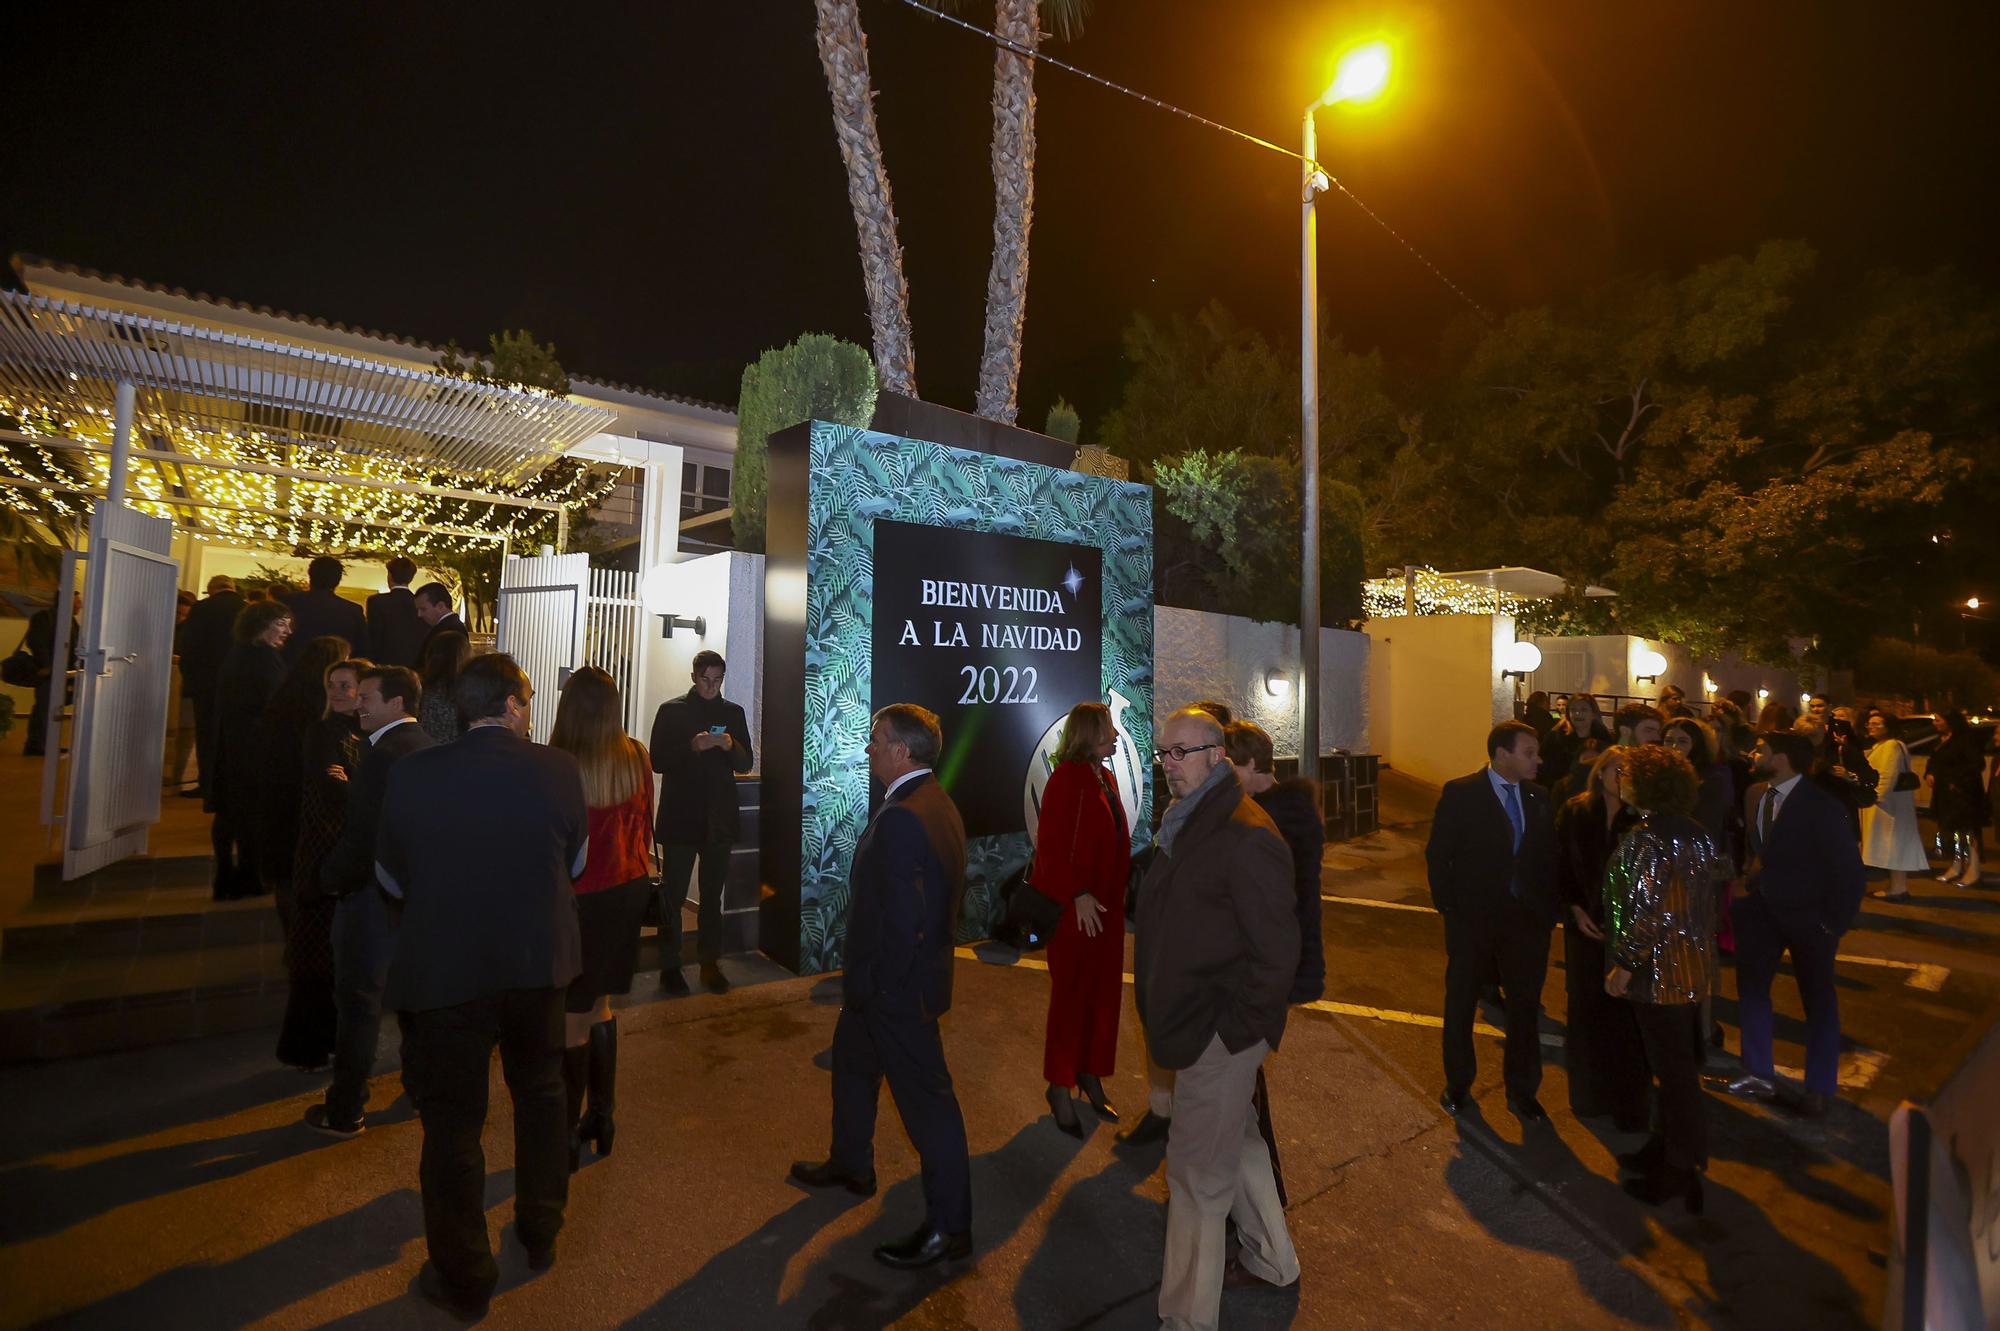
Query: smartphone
{"points": [[718, 730]]}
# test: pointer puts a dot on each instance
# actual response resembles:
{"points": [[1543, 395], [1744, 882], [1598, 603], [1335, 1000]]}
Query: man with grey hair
{"points": [[1216, 954], [902, 918]]}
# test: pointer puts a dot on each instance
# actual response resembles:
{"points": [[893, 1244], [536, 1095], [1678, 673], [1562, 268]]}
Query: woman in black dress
{"points": [[1958, 799], [332, 754], [1601, 1045], [244, 687], [1572, 746], [296, 707], [445, 654]]}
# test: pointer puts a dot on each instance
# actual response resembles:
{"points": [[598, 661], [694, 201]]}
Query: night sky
{"points": [[656, 189]]}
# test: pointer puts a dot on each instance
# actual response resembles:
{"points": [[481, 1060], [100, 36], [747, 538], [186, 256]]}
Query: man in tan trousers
{"points": [[1216, 953]]}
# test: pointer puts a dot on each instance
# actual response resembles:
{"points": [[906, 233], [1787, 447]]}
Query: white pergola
{"points": [[193, 423]]}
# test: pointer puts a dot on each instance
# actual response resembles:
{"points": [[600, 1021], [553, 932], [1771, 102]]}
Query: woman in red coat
{"points": [[1083, 850]]}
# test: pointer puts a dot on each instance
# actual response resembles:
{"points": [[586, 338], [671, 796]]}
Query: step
{"points": [[62, 1008], [140, 874], [135, 922]]}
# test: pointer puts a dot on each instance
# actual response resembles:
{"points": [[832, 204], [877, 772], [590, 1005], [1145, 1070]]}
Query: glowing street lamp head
{"points": [[1361, 76]]}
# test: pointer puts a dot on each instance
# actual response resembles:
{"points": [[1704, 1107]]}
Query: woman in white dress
{"points": [[1890, 837]]}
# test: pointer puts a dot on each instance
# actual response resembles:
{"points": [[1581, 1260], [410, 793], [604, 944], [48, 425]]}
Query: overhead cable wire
{"points": [[1334, 181]]}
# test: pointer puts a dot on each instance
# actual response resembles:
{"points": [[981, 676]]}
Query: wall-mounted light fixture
{"points": [[1707, 684], [1763, 695], [1519, 660], [657, 591], [668, 623], [1648, 665], [1277, 683]]}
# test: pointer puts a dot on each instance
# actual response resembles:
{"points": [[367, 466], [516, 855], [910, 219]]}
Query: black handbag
{"points": [[20, 669], [1032, 909], [1906, 780]]}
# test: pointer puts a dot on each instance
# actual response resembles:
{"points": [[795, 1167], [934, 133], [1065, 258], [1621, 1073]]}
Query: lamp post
{"points": [[1362, 74]]}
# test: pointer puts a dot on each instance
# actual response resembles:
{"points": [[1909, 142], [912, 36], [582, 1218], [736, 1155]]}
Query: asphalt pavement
{"points": [[175, 1186]]}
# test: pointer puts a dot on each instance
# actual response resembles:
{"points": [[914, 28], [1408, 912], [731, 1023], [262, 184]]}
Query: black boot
{"points": [[576, 1074], [603, 1084]]}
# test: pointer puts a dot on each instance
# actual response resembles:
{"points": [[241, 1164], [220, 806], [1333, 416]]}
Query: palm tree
{"points": [[843, 54], [1014, 193]]}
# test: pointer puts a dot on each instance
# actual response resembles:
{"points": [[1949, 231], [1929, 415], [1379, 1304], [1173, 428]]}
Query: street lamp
{"points": [[1361, 75]]}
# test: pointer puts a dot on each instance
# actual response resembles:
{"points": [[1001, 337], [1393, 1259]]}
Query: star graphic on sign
{"points": [[1073, 580]]}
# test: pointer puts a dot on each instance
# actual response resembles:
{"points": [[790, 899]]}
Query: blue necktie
{"points": [[1514, 812]]}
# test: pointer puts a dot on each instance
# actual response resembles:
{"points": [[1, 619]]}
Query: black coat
{"points": [[1958, 799], [203, 642], [698, 790], [394, 631], [483, 839], [322, 614], [1809, 873], [1584, 842], [248, 681], [1295, 811], [903, 902], [350, 865], [1471, 855], [293, 713], [451, 623]]}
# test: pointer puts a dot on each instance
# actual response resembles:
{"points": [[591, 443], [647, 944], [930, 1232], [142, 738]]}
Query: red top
{"points": [[620, 836], [1082, 843]]}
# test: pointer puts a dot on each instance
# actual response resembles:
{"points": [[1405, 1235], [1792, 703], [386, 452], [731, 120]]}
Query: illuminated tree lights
{"points": [[278, 512], [1436, 594]]}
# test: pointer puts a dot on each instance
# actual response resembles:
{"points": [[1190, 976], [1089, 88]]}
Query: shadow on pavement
{"points": [[29, 1129], [744, 1285]]}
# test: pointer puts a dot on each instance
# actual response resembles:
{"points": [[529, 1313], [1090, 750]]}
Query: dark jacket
{"points": [[203, 643], [292, 714], [1473, 864], [1217, 951], [451, 623], [484, 838], [394, 631], [1563, 750], [249, 680], [323, 614], [350, 865], [904, 893], [1958, 800], [1296, 813], [698, 790], [1809, 873], [1584, 844]]}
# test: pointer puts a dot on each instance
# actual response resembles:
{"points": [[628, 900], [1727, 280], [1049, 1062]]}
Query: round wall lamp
{"points": [[1648, 665], [1519, 660], [1277, 682]]}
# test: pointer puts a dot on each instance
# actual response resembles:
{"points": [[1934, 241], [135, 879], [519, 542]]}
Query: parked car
{"points": [[1919, 735]]}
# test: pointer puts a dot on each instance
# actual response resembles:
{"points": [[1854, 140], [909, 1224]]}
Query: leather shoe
{"points": [[1528, 1111], [924, 1248], [463, 1307], [713, 980], [1150, 1128], [673, 983], [1749, 1086], [1454, 1102], [827, 1174], [541, 1259], [1093, 1091], [1063, 1109], [1235, 1275], [1807, 1104]]}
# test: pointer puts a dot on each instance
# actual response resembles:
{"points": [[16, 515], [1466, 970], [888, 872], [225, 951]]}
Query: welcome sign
{"points": [[1000, 636], [997, 592]]}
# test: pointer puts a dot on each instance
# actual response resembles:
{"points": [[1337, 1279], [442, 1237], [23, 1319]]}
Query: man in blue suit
{"points": [[902, 917], [1801, 893]]}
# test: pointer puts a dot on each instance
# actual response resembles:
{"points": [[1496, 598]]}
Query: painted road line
{"points": [[1323, 1005], [1858, 1069], [1923, 975]]}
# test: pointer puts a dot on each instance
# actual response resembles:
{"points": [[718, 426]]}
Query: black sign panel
{"points": [[1000, 636]]}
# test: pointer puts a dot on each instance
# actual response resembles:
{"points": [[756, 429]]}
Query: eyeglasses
{"points": [[1179, 752]]}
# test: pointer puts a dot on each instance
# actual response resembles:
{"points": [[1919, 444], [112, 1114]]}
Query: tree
{"points": [[1203, 383], [817, 377], [843, 55], [1018, 22], [513, 360], [1063, 423]]}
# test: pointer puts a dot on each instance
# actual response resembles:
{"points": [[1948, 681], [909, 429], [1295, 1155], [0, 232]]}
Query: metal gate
{"points": [[118, 740], [612, 641], [542, 616]]}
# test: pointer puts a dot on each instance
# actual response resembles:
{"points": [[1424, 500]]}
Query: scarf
{"points": [[1183, 808]]}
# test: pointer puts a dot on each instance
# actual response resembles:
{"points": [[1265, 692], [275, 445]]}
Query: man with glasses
{"points": [[1216, 954], [483, 839], [700, 742]]}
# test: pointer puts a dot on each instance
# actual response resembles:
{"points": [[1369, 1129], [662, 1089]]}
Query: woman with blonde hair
{"points": [[1083, 850], [610, 896]]}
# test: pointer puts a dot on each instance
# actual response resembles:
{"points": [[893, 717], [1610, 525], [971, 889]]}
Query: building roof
{"points": [[26, 265], [1524, 582]]}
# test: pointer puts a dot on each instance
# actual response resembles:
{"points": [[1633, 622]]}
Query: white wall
{"points": [[1608, 663], [1435, 690], [727, 590], [1197, 655]]}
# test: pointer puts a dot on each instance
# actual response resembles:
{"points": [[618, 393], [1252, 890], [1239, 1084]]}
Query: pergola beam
{"points": [[183, 501]]}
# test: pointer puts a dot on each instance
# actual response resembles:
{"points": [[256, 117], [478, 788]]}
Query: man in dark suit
{"points": [[1491, 858], [902, 917], [202, 640], [1800, 893], [394, 630], [364, 930], [320, 611], [433, 601], [483, 839], [700, 743]]}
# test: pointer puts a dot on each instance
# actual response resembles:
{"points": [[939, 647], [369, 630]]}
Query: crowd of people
{"points": [[1665, 843]]}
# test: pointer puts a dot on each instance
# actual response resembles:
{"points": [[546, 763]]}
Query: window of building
{"points": [[704, 489]]}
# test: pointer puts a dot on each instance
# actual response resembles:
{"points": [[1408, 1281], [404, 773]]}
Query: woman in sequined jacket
{"points": [[1659, 926]]}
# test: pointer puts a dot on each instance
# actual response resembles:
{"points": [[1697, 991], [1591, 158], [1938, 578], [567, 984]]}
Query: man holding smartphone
{"points": [[700, 742]]}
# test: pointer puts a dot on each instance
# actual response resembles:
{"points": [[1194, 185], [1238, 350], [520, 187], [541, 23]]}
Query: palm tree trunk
{"points": [[1013, 208], [843, 54]]}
